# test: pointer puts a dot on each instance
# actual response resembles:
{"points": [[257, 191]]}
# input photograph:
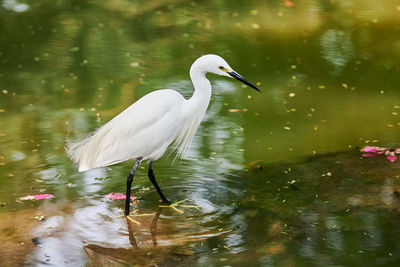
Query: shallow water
{"points": [[277, 177]]}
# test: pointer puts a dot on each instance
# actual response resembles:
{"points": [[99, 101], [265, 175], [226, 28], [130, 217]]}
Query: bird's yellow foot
{"points": [[179, 204], [129, 217]]}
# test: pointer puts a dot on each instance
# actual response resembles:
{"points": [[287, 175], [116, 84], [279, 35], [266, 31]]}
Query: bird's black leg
{"points": [[129, 180], [152, 178]]}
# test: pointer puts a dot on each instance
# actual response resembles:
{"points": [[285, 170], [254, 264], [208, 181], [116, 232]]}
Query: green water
{"points": [[277, 176]]}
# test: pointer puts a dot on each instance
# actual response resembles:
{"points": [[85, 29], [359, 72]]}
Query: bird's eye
{"points": [[221, 68]]}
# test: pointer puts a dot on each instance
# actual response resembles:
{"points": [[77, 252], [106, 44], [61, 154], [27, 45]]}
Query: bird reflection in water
{"points": [[153, 229], [140, 252]]}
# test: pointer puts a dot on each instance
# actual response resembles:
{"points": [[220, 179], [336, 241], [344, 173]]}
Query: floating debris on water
{"points": [[117, 196], [372, 151], [237, 110], [36, 197]]}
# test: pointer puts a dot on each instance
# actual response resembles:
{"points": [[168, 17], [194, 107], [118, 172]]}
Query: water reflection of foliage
{"points": [[335, 201], [78, 54], [78, 41]]}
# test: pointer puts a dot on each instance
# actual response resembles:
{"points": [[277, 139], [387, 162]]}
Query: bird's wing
{"points": [[145, 129]]}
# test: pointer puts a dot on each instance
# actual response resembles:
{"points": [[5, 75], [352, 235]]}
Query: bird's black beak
{"points": [[239, 77]]}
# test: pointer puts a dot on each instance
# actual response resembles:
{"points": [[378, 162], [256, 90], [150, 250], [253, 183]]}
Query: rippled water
{"points": [[276, 177]]}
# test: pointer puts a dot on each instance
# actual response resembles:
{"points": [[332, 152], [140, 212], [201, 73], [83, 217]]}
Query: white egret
{"points": [[150, 125]]}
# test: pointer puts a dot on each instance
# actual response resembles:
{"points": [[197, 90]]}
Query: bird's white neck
{"points": [[202, 89]]}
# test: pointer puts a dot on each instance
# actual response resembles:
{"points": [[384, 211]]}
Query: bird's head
{"points": [[217, 65]]}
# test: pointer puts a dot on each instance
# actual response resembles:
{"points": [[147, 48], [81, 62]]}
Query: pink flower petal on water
{"points": [[392, 157], [117, 196], [43, 196], [372, 149], [36, 197], [369, 149]]}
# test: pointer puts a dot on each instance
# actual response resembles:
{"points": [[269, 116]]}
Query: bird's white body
{"points": [[150, 125]]}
